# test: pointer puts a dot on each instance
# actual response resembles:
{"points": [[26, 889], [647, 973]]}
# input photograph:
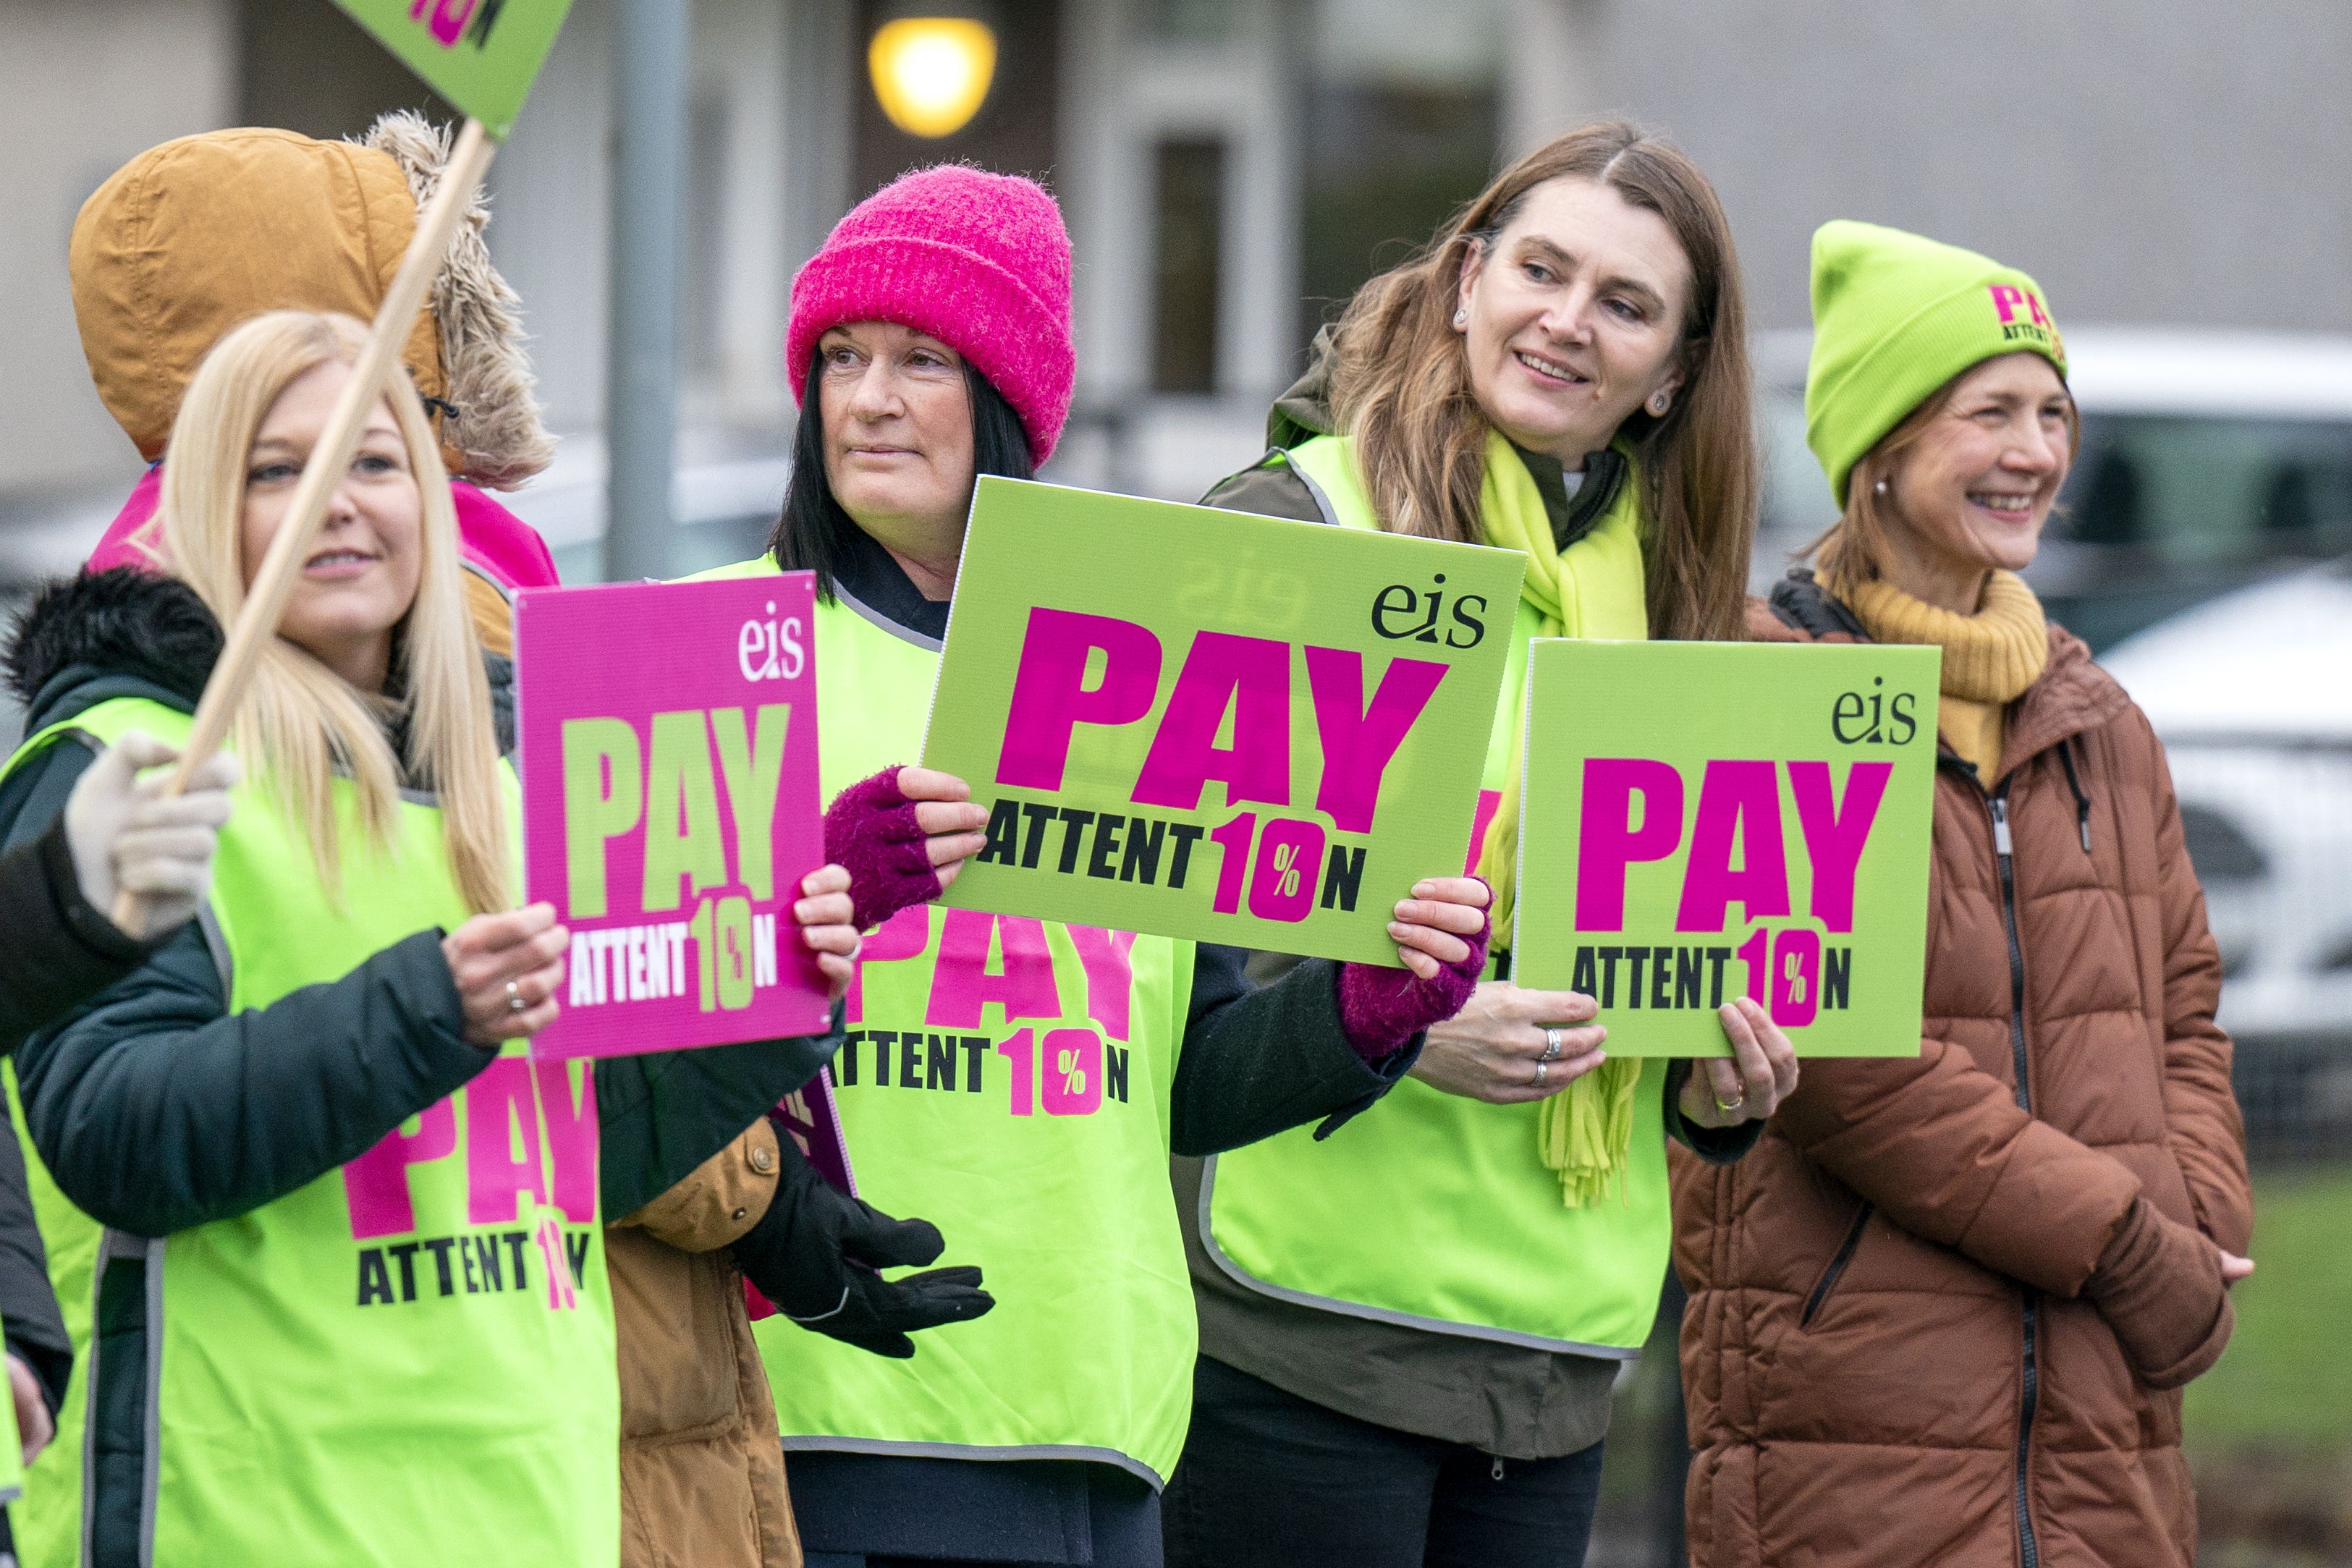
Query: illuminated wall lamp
{"points": [[931, 65]]}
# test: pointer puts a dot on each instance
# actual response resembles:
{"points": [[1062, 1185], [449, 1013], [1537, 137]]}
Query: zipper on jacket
{"points": [[2081, 801], [1837, 1266], [2029, 1552]]}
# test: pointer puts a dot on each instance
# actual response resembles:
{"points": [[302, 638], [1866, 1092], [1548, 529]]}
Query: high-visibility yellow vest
{"points": [[409, 1360], [1472, 1238], [1007, 1079]]}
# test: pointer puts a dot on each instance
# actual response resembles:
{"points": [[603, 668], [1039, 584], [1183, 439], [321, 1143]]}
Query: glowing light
{"points": [[931, 73]]}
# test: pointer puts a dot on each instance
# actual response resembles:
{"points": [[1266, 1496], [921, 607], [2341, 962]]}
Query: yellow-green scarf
{"points": [[1596, 589]]}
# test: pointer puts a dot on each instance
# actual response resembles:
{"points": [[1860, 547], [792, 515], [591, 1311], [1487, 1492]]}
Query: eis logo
{"points": [[448, 20], [770, 650], [2022, 317]]}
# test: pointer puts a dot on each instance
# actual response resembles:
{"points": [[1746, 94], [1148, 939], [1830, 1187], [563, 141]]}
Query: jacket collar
{"points": [[95, 636], [1574, 516], [872, 584], [2073, 695]]}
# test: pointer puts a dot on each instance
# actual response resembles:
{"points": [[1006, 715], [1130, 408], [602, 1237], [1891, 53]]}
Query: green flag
{"points": [[1703, 820], [1200, 723], [480, 54]]}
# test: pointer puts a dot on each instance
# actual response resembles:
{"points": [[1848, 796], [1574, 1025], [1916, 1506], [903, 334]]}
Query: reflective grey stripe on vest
{"points": [[1322, 502], [501, 589], [886, 1448], [114, 1244], [1383, 1314], [904, 634]]}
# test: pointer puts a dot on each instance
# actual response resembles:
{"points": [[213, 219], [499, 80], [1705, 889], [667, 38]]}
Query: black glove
{"points": [[816, 1252]]}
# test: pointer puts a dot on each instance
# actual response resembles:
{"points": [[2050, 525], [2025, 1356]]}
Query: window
{"points": [[1191, 21], [701, 269], [2212, 489], [1190, 237], [1402, 120]]}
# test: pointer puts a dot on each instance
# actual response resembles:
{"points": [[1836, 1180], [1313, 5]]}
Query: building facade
{"points": [[1232, 169]]}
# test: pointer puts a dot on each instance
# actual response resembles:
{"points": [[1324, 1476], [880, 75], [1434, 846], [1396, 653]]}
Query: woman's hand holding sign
{"points": [[1509, 1046], [1441, 935], [506, 967], [823, 914], [1750, 1085], [952, 826], [1436, 926], [904, 835]]}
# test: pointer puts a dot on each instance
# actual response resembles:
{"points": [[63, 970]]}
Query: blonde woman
{"points": [[349, 1303]]}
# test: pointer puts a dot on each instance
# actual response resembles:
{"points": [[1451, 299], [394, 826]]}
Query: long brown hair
{"points": [[1400, 384]]}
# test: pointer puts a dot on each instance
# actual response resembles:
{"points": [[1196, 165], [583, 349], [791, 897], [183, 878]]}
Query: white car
{"points": [[2250, 693]]}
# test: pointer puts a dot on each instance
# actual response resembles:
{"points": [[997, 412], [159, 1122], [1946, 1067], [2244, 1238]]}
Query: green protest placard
{"points": [[480, 54], [1702, 819], [1204, 724]]}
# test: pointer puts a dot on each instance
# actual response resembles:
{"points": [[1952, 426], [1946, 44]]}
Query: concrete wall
{"points": [[83, 87], [550, 189], [2149, 161]]}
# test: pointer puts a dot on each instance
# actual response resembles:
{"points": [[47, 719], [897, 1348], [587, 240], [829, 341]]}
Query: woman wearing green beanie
{"points": [[1943, 1312], [1410, 1332]]}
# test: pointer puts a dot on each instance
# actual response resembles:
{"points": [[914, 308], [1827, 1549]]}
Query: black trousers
{"points": [[1272, 1481], [897, 1510]]}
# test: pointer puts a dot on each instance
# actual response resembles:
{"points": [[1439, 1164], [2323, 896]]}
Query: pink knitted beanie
{"points": [[978, 261]]}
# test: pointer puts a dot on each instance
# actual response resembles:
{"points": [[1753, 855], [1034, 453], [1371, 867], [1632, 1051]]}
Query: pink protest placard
{"points": [[668, 743]]}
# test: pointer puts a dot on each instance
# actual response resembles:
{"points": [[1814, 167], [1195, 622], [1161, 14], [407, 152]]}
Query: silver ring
{"points": [[1540, 1071], [515, 1004], [1735, 1103], [1551, 1045]]}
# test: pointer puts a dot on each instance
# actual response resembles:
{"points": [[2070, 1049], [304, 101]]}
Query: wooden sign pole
{"points": [[281, 566]]}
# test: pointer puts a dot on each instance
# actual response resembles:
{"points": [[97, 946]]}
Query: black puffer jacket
{"points": [[60, 952]]}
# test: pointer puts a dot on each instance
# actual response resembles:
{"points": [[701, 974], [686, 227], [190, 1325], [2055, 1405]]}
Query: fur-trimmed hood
{"points": [[116, 629], [191, 238]]}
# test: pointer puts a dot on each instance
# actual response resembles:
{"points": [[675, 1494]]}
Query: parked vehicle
{"points": [[2208, 461], [2248, 693]]}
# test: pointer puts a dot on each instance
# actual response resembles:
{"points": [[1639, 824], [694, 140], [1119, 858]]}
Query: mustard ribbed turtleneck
{"points": [[1989, 658]]}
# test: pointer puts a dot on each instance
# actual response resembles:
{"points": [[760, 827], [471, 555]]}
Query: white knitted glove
{"points": [[127, 837]]}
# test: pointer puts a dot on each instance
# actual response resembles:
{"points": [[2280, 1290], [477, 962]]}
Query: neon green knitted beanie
{"points": [[1894, 318]]}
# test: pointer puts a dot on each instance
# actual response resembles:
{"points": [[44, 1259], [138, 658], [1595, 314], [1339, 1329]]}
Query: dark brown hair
{"points": [[1401, 384]]}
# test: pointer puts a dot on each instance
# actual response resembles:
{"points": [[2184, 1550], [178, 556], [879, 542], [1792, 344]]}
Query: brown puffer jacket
{"points": [[702, 1473], [1941, 1314]]}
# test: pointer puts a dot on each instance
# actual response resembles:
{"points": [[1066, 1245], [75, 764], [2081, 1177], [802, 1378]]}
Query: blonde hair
{"points": [[1401, 384], [301, 724]]}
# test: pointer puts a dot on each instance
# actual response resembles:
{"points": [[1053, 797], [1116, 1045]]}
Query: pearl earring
{"points": [[1879, 488], [1659, 402], [1461, 318]]}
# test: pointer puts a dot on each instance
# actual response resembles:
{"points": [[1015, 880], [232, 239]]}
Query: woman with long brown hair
{"points": [[1408, 1335]]}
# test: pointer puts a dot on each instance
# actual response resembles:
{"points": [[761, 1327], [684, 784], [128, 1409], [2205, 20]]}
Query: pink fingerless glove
{"points": [[871, 831], [1381, 1010]]}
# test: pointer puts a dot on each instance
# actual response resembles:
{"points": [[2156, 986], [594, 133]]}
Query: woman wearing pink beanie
{"points": [[1019, 1080]]}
